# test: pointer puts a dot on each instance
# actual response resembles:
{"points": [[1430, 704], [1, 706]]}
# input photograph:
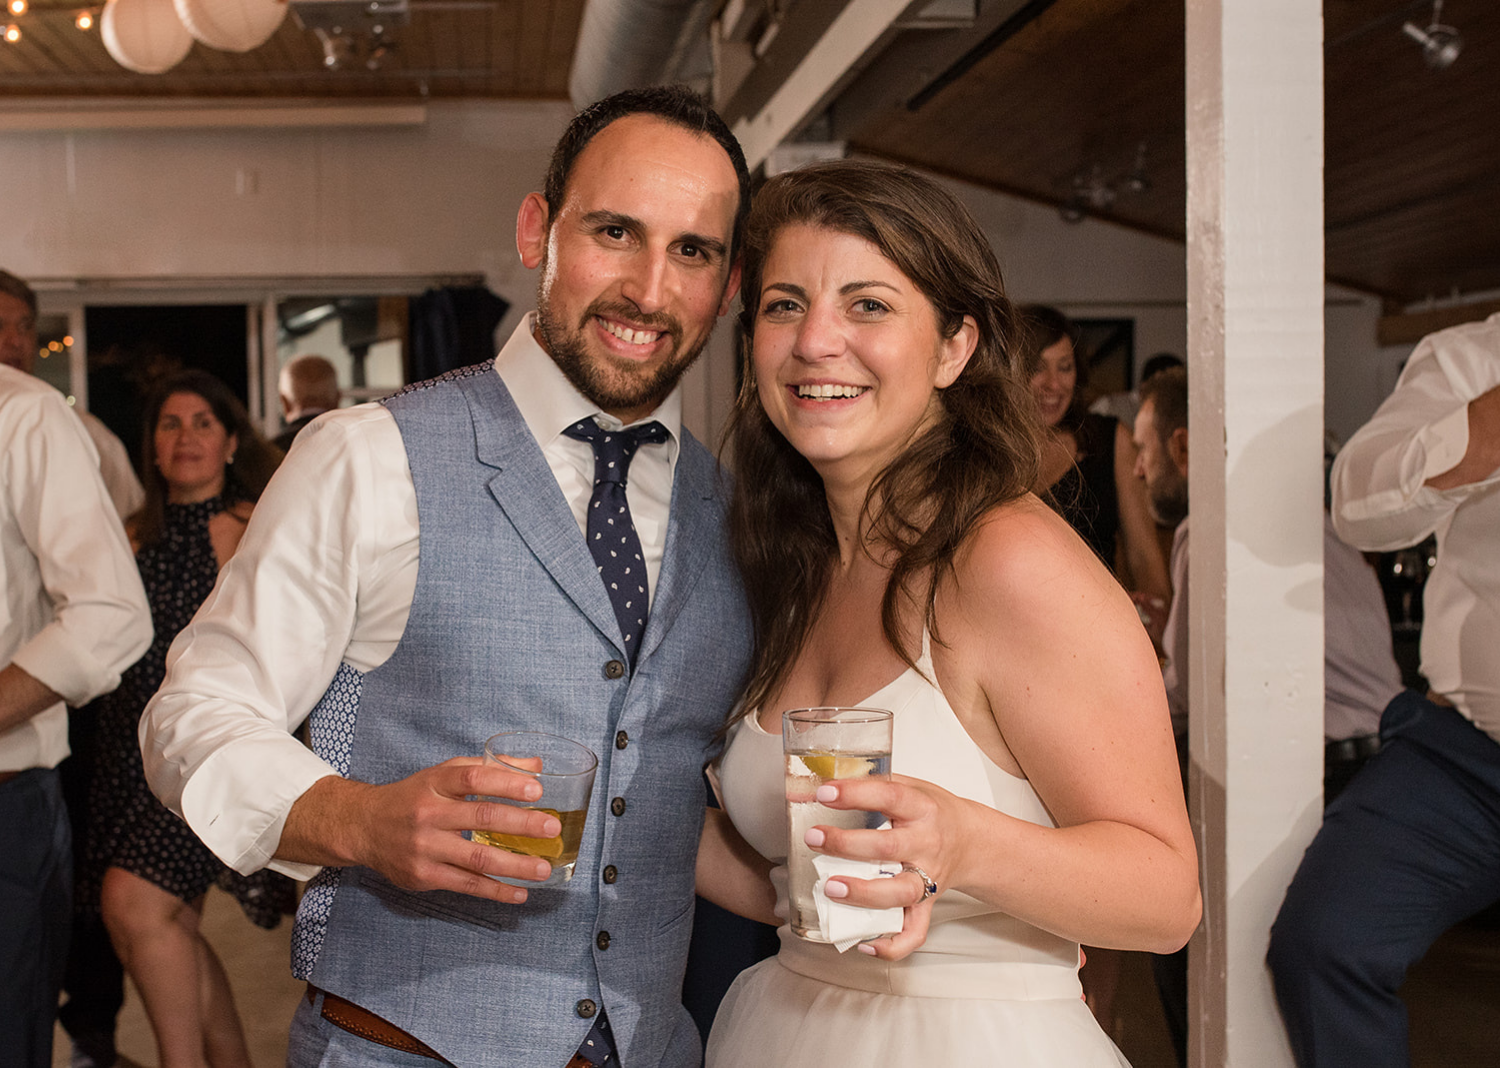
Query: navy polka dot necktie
{"points": [[611, 533]]}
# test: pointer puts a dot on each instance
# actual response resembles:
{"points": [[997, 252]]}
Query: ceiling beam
{"points": [[1411, 327], [95, 115], [858, 31]]}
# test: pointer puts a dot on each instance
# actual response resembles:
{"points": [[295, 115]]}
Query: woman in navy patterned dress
{"points": [[145, 869]]}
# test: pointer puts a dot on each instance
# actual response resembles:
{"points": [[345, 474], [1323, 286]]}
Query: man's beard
{"points": [[1169, 500], [613, 387]]}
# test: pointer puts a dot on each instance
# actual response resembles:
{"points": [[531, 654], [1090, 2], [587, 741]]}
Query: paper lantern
{"points": [[231, 25], [145, 36]]}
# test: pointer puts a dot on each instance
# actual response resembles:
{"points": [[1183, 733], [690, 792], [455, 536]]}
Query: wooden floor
{"points": [[1453, 997]]}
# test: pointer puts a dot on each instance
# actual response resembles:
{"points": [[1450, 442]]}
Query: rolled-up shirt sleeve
{"points": [[323, 575], [1380, 497], [99, 621]]}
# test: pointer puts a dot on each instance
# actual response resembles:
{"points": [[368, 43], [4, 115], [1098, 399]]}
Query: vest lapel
{"points": [[693, 530], [527, 492]]}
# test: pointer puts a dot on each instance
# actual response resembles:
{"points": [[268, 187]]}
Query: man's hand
{"points": [[1483, 454], [411, 831], [22, 696]]}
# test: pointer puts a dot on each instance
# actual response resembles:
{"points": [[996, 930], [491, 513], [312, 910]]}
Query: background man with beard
{"points": [[1161, 440], [403, 670]]}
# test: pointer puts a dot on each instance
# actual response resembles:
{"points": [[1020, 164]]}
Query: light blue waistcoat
{"points": [[511, 629]]}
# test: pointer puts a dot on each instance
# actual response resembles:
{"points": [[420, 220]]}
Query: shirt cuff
{"points": [[275, 773], [64, 666], [1444, 443]]}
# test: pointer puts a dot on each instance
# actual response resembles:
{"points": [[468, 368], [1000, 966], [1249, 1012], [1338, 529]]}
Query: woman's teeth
{"points": [[828, 392]]}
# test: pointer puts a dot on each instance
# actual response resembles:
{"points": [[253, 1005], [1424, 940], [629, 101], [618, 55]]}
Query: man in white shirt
{"points": [[18, 349], [75, 616], [1412, 846], [405, 937]]}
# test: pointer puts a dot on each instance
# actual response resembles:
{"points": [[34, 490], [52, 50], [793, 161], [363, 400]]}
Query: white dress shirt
{"points": [[124, 488], [1360, 674], [1174, 635], [325, 575], [1380, 502], [75, 613]]}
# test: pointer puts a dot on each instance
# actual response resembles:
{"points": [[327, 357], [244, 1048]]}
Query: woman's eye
{"points": [[779, 307], [869, 306]]}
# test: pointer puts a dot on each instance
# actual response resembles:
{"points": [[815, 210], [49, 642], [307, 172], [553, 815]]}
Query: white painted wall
{"points": [[207, 204], [257, 203]]}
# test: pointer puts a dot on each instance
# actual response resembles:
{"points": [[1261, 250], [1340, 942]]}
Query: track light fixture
{"points": [[1440, 44]]}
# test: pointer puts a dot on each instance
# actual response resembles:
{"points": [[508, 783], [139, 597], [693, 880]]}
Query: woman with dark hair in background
{"points": [[1088, 475], [205, 466], [894, 557], [1088, 460]]}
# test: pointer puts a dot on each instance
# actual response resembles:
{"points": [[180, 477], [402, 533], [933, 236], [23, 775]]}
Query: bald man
{"points": [[309, 386]]}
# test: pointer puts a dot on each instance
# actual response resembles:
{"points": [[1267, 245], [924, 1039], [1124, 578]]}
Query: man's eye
{"points": [[615, 233]]}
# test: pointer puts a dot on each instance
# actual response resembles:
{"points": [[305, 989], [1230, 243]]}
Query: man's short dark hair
{"points": [[676, 104], [12, 286], [1168, 395], [1159, 363]]}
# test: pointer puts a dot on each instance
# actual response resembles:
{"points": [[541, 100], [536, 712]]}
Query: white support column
{"points": [[1255, 343]]}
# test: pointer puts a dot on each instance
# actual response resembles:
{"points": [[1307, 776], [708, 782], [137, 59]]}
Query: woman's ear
{"points": [[954, 353]]}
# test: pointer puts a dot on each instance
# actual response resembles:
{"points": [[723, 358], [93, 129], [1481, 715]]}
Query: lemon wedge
{"points": [[831, 766]]}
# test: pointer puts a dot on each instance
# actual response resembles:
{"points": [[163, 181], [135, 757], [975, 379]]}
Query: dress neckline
{"points": [[924, 670], [204, 510]]}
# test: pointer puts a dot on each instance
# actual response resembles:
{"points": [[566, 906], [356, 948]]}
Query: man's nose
{"points": [[645, 285]]}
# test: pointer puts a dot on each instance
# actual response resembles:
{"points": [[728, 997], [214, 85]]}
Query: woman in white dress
{"points": [[893, 557]]}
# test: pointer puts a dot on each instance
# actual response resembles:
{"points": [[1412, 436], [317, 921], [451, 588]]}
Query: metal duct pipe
{"points": [[627, 44]]}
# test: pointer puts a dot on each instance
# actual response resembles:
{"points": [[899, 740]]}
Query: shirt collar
{"points": [[548, 402]]}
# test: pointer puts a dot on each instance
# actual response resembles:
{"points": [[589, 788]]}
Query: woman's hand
{"points": [[928, 827]]}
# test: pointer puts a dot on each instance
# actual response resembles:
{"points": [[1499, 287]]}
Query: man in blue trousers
{"points": [[533, 543], [1412, 845]]}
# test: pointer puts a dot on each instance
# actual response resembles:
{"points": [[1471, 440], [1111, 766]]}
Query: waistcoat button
{"points": [[617, 806], [621, 739], [614, 670], [602, 941], [586, 1008], [610, 873]]}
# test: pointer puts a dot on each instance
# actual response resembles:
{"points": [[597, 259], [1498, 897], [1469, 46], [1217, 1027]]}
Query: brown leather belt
{"points": [[368, 1026]]}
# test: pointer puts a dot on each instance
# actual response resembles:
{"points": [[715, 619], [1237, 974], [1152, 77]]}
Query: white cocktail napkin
{"points": [[846, 925]]}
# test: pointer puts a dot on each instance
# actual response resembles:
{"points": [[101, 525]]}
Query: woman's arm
{"points": [[731, 874], [1044, 650], [1142, 549]]}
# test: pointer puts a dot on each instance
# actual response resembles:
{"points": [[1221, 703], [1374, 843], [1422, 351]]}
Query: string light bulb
{"points": [[11, 33], [16, 7], [84, 21]]}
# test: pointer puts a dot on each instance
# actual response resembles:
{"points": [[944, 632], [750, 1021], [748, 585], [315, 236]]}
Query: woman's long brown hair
{"points": [[255, 459], [980, 453]]}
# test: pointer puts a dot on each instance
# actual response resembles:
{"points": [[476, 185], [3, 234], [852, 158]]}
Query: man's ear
{"points": [[1177, 448], [531, 230]]}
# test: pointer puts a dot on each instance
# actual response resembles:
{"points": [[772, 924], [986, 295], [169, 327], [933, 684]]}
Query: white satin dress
{"points": [[985, 988]]}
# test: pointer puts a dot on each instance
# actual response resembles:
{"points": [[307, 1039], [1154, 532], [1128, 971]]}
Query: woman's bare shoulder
{"points": [[1020, 540]]}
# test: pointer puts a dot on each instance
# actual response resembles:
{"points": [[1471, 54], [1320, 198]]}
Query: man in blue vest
{"points": [[533, 543]]}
